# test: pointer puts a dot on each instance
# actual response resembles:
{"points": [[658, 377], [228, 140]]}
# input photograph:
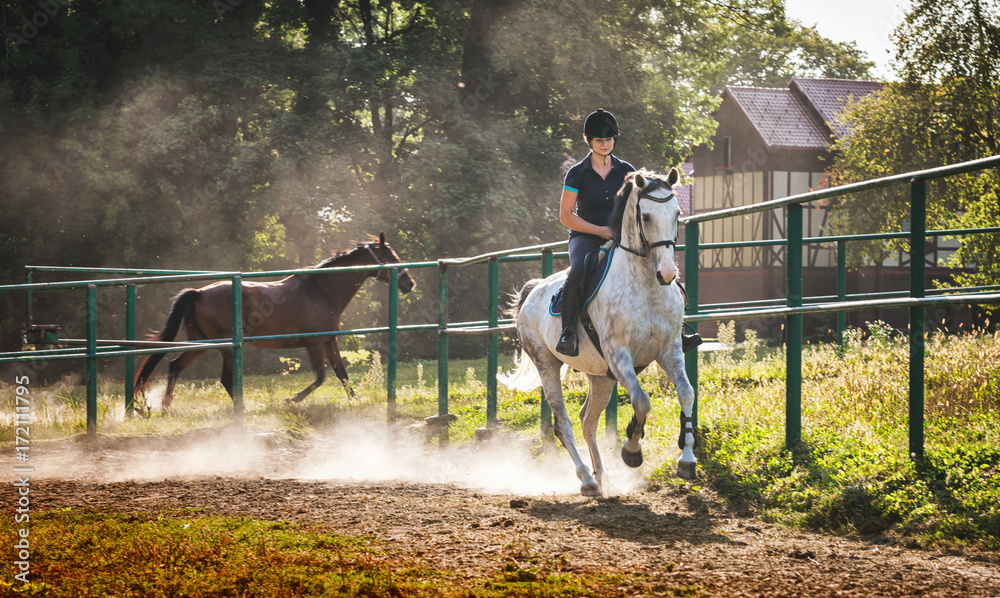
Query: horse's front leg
{"points": [[315, 353], [623, 368], [590, 417], [672, 363], [332, 349]]}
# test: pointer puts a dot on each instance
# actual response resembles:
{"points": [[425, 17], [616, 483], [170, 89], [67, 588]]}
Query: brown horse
{"points": [[301, 303]]}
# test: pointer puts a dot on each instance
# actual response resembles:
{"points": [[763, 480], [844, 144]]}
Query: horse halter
{"points": [[646, 250], [647, 247], [381, 263]]}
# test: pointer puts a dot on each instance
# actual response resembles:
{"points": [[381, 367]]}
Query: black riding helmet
{"points": [[600, 123]]}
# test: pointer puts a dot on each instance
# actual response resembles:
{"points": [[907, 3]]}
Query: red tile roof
{"points": [[684, 192], [830, 96], [803, 115]]}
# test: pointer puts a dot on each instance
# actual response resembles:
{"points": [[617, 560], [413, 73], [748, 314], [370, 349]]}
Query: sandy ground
{"points": [[474, 510]]}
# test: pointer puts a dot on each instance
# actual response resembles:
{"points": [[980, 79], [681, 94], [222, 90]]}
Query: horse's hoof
{"points": [[632, 459], [686, 470], [591, 490]]}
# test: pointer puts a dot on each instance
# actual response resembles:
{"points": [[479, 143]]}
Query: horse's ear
{"points": [[673, 176], [639, 181], [381, 238]]}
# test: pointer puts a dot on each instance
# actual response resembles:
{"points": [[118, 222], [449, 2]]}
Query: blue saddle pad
{"points": [[591, 285]]}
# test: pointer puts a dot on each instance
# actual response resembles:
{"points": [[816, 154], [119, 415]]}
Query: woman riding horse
{"points": [[587, 200], [637, 316]]}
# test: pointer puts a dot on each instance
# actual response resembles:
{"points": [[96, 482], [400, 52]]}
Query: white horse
{"points": [[638, 314]]}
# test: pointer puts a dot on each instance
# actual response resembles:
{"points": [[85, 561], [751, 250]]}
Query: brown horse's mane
{"points": [[333, 260]]}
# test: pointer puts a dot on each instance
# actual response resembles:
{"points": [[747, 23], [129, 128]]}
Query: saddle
{"points": [[595, 271]]}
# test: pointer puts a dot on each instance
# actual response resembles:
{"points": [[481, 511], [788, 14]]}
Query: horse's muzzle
{"points": [[663, 283]]}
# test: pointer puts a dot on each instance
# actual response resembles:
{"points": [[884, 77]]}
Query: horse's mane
{"points": [[653, 181], [341, 256]]}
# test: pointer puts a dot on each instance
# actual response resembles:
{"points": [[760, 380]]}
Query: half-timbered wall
{"points": [[745, 188], [814, 216], [728, 191]]}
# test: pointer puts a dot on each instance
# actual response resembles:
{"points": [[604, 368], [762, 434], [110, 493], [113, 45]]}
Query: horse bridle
{"points": [[381, 263], [644, 251]]}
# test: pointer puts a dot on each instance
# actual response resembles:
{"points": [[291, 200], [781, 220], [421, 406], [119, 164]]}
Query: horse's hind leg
{"points": [[315, 353], [177, 365], [548, 370], [337, 362], [227, 373], [590, 416], [673, 364]]}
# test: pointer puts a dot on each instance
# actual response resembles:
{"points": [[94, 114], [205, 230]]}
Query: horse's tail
{"points": [[517, 299], [525, 376], [183, 304]]}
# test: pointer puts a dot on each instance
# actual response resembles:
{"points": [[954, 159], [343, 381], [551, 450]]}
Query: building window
{"points": [[727, 152]]}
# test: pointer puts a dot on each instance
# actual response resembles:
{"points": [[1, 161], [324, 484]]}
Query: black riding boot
{"points": [[568, 343]]}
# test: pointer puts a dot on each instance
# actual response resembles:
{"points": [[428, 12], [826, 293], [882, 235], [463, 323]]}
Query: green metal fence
{"points": [[794, 306], [90, 349], [494, 326]]}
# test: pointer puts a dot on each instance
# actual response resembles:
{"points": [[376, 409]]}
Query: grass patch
{"points": [[85, 553], [851, 475]]}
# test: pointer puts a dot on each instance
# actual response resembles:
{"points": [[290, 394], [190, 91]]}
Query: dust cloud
{"points": [[503, 464], [362, 451]]}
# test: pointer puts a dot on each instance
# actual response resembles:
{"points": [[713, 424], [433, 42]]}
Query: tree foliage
{"points": [[243, 135], [944, 110]]}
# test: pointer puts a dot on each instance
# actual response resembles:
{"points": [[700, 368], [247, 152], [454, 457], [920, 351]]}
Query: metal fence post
{"points": [[92, 360], [793, 328], [918, 232], [841, 293], [546, 409], [390, 379], [442, 338], [691, 288], [130, 297], [29, 318], [237, 290], [494, 344]]}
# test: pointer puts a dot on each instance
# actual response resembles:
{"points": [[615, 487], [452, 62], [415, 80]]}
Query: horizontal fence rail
{"points": [[793, 307]]}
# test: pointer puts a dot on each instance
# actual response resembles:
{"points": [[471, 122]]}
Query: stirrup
{"points": [[568, 342], [690, 341]]}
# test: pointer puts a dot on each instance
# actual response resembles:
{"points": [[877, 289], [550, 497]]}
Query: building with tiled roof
{"points": [[780, 118], [779, 129], [686, 191], [827, 98], [773, 143]]}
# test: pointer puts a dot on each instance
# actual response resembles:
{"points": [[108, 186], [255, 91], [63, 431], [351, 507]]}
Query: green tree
{"points": [[237, 135], [946, 109], [763, 48]]}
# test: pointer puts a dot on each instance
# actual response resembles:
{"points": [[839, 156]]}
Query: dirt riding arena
{"points": [[474, 510]]}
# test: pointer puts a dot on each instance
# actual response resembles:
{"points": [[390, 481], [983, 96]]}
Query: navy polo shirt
{"points": [[595, 196]]}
